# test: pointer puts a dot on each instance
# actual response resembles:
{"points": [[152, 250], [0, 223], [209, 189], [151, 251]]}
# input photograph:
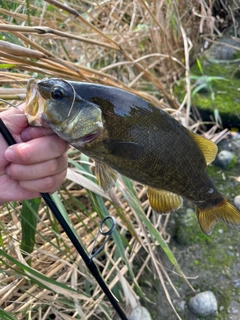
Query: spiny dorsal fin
{"points": [[106, 176], [163, 201], [209, 148]]}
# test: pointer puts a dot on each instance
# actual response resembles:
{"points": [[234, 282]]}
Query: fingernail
{"points": [[9, 155], [8, 171]]}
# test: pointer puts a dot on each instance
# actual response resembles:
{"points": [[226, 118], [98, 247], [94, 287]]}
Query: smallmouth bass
{"points": [[124, 133]]}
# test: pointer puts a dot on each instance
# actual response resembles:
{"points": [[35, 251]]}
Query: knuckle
{"points": [[59, 145], [23, 155], [53, 166], [15, 171], [49, 184]]}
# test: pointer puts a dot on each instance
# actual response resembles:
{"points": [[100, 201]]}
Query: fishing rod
{"points": [[86, 258]]}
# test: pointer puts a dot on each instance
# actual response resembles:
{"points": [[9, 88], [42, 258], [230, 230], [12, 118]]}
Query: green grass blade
{"points": [[5, 315], [120, 249], [63, 211], [28, 219], [7, 65], [132, 199], [42, 280]]}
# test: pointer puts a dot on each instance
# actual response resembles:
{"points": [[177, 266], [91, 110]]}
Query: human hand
{"points": [[37, 163]]}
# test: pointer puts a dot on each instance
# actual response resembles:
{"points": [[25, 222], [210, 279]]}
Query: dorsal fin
{"points": [[209, 148]]}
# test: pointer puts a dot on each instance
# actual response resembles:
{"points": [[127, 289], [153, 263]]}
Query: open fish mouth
{"points": [[90, 137], [35, 104]]}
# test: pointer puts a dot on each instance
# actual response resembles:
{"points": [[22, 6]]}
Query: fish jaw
{"points": [[86, 123], [78, 131], [35, 105]]}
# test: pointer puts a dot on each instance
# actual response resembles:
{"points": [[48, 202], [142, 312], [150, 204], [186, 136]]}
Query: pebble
{"points": [[139, 313], [236, 201], [182, 305], [236, 283], [233, 310], [221, 308], [225, 159], [204, 304]]}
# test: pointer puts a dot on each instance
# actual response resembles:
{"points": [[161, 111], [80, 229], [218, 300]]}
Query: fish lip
{"points": [[90, 137], [35, 104]]}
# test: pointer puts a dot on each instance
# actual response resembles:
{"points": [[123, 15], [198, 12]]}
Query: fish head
{"points": [[54, 103]]}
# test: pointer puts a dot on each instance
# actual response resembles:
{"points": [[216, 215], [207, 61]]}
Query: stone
{"points": [[204, 304], [225, 159], [139, 313], [236, 202]]}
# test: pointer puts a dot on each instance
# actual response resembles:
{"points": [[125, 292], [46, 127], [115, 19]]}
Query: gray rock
{"points": [[236, 201], [225, 159], [224, 49], [204, 304], [140, 313]]}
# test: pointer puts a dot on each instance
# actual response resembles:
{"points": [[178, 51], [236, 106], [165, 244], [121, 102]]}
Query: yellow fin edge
{"points": [[209, 148], [163, 201], [225, 212]]}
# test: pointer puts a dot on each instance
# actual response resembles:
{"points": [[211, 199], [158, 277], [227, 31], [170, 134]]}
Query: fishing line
{"points": [[12, 105], [67, 229], [74, 95]]}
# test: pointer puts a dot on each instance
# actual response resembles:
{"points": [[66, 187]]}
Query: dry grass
{"points": [[140, 46]]}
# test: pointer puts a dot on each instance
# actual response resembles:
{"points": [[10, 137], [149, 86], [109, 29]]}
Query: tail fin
{"points": [[224, 211]]}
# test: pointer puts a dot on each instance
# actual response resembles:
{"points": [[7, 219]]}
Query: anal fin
{"points": [[163, 201]]}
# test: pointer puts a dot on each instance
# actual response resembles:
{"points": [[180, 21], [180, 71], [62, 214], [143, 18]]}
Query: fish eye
{"points": [[57, 93]]}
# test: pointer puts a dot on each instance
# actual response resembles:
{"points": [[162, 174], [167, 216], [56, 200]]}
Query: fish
{"points": [[126, 134]]}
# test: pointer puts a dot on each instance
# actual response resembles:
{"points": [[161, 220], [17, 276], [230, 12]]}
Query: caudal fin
{"points": [[225, 212]]}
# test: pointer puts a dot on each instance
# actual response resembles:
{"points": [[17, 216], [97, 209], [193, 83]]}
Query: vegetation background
{"points": [[145, 47]]}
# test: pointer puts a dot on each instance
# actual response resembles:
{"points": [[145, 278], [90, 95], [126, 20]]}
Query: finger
{"points": [[15, 121], [37, 150], [21, 106], [39, 170], [16, 193], [35, 132], [48, 184]]}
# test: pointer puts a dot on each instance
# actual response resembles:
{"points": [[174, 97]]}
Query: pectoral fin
{"points": [[209, 149], [163, 201], [126, 150], [105, 175]]}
